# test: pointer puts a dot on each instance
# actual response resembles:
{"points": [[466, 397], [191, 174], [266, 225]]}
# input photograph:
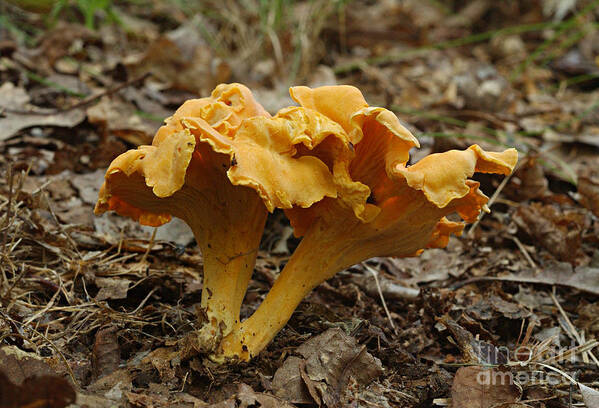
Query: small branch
{"points": [[492, 200], [572, 329], [9, 205], [378, 286]]}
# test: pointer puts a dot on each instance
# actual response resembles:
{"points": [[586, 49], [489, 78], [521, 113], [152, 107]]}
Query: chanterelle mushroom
{"points": [[220, 163], [402, 213]]}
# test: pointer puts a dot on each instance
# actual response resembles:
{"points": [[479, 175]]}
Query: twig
{"points": [[522, 249], [9, 205], [589, 345], [150, 245], [378, 286], [143, 302], [572, 329], [492, 200], [84, 103]]}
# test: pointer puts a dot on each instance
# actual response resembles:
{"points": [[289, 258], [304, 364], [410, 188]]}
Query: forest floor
{"points": [[91, 308]]}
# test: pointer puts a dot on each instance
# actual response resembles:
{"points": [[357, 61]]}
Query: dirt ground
{"points": [[92, 308]]}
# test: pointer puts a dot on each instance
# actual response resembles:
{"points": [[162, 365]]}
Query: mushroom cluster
{"points": [[336, 166]]}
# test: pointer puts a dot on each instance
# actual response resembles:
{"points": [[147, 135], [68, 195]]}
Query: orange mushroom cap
{"points": [[164, 164], [295, 158], [382, 148]]}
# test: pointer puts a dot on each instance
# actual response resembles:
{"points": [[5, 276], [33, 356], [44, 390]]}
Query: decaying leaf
{"points": [[493, 306], [163, 360], [121, 119], [583, 278], [183, 59], [112, 288], [249, 398], [530, 180], [588, 188], [38, 391], [477, 387], [590, 396], [329, 360], [15, 99], [474, 351], [559, 232], [20, 365], [106, 352]]}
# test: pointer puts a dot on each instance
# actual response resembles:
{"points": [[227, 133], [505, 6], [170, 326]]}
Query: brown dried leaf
{"points": [[184, 60], [474, 351], [509, 310], [120, 118], [288, 384], [41, 391], [112, 386], [112, 288], [20, 365], [583, 278], [477, 387], [532, 181], [162, 359], [588, 188], [106, 353], [249, 398], [15, 98], [330, 359], [147, 400], [559, 232]]}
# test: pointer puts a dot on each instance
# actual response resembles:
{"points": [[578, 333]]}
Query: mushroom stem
{"points": [[312, 263], [224, 286], [229, 239], [227, 223]]}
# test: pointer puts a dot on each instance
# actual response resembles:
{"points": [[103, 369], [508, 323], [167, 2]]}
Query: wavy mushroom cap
{"points": [[295, 158], [223, 110], [410, 201], [165, 165]]}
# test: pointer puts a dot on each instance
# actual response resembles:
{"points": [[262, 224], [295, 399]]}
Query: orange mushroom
{"points": [[403, 212], [179, 176], [219, 164]]}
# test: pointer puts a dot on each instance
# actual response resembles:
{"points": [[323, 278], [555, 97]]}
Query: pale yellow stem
{"points": [[224, 286], [229, 239]]}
